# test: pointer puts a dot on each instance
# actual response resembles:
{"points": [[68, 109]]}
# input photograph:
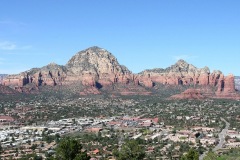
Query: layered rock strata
{"points": [[97, 68]]}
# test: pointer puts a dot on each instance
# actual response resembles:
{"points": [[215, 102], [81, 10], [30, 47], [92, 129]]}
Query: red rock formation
{"points": [[14, 81], [6, 90], [145, 81], [214, 78], [96, 67], [229, 84], [226, 88], [159, 79], [189, 94], [203, 79]]}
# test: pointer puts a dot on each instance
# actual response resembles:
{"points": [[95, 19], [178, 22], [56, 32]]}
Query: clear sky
{"points": [[142, 34]]}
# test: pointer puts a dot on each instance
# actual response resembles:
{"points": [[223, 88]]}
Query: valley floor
{"points": [[165, 128]]}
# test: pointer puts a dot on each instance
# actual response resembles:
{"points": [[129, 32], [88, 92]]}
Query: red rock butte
{"points": [[96, 68]]}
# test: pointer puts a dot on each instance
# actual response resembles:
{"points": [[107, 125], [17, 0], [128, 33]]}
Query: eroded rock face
{"points": [[6, 90], [189, 94], [226, 84], [183, 73], [180, 73], [96, 61], [97, 68], [226, 88], [229, 84], [93, 67], [51, 74]]}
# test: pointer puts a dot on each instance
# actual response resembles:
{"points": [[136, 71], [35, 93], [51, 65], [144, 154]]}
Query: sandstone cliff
{"points": [[96, 68], [93, 67], [226, 87], [51, 74], [6, 90], [183, 73], [189, 94]]}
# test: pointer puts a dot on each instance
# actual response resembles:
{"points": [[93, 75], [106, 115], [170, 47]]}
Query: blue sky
{"points": [[141, 34]]}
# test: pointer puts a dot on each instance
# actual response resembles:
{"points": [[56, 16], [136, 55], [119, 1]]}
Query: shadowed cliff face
{"points": [[97, 69], [237, 83]]}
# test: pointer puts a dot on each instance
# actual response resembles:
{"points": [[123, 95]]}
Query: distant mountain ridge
{"points": [[96, 69], [184, 74], [180, 66]]}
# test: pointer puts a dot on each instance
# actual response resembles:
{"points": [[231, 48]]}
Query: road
{"points": [[221, 136]]}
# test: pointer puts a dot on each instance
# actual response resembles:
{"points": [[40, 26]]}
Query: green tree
{"points": [[131, 150], [191, 155], [33, 147], [70, 149], [0, 150], [82, 156], [13, 139], [31, 156], [211, 156]]}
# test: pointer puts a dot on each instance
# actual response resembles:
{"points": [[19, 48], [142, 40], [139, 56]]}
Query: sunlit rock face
{"points": [[97, 68], [183, 73]]}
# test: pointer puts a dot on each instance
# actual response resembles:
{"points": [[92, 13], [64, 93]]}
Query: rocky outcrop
{"points": [[229, 85], [96, 61], [226, 87], [6, 90], [189, 94], [97, 68], [183, 73], [180, 73], [93, 67], [225, 90], [51, 74]]}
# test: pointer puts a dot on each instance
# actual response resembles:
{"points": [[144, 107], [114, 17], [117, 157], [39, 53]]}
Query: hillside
{"points": [[96, 70]]}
